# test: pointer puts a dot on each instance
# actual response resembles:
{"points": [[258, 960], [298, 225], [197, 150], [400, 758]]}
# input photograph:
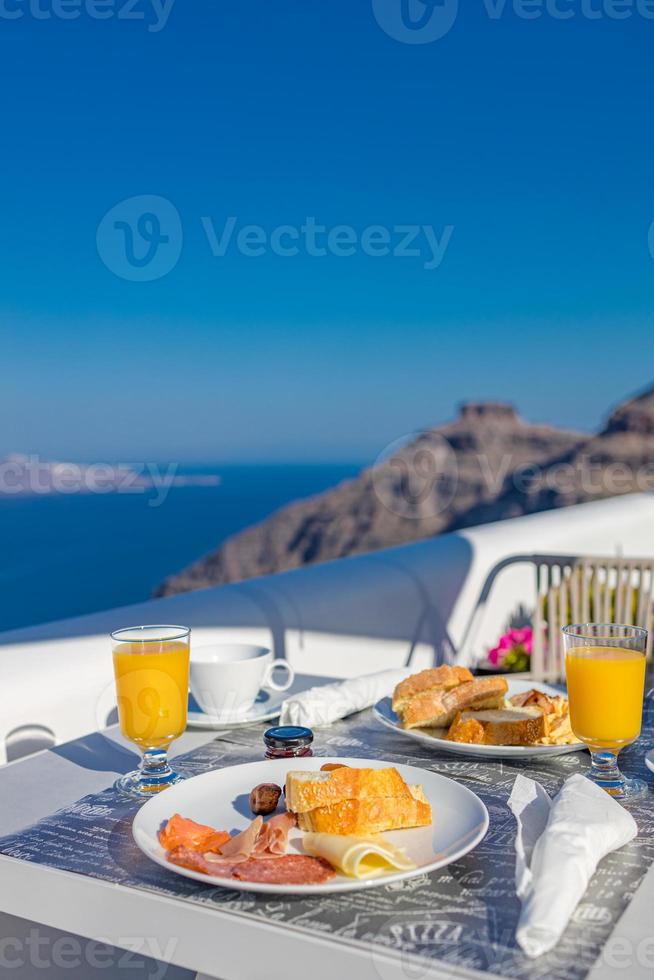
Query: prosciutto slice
{"points": [[260, 843], [240, 847], [273, 836]]}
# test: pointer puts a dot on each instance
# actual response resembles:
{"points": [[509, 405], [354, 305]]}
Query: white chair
{"points": [[572, 589]]}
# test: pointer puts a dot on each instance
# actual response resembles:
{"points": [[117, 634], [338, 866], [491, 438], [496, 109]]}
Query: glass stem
{"points": [[155, 768], [605, 771]]}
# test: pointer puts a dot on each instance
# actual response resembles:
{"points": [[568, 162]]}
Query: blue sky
{"points": [[531, 139]]}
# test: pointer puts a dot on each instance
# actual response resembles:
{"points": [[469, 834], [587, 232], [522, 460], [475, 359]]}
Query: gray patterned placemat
{"points": [[463, 915]]}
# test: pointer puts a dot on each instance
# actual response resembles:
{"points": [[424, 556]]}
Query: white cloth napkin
{"points": [[558, 845], [324, 705]]}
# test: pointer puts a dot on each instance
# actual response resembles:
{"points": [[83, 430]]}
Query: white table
{"points": [[202, 940], [192, 938]]}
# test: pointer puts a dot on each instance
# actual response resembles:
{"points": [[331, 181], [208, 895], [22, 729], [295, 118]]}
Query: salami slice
{"points": [[289, 869], [187, 858]]}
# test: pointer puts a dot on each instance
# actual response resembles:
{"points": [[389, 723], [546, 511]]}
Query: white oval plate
{"points": [[220, 799], [385, 714], [267, 706]]}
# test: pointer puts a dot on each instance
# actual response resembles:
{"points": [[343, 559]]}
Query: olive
{"points": [[264, 798]]}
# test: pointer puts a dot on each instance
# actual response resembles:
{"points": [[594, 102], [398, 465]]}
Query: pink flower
{"points": [[521, 639]]}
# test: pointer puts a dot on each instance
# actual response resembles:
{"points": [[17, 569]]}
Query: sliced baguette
{"points": [[369, 816], [308, 790], [438, 709], [435, 678], [510, 726]]}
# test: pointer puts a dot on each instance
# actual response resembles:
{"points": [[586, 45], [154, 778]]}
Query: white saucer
{"points": [[267, 706], [649, 760]]}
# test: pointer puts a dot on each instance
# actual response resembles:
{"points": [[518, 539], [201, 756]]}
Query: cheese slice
{"points": [[358, 857]]}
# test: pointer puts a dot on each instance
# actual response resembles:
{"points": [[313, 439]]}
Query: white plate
{"points": [[220, 799], [267, 706], [387, 716]]}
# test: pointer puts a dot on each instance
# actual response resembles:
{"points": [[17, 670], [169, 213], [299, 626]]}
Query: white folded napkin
{"points": [[558, 845], [323, 705]]}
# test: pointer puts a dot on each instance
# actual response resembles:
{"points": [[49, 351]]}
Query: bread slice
{"points": [[439, 708], [369, 816], [435, 678], [509, 726], [308, 790], [467, 730], [556, 711]]}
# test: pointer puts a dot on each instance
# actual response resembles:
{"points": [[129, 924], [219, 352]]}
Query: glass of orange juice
{"points": [[151, 666], [605, 671]]}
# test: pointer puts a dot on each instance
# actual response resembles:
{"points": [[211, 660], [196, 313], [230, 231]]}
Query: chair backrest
{"points": [[586, 589], [574, 589]]}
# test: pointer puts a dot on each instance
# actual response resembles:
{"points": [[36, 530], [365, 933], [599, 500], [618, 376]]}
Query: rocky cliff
{"points": [[486, 465], [619, 459]]}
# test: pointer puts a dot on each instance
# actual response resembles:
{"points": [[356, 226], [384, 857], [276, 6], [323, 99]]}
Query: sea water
{"points": [[67, 554]]}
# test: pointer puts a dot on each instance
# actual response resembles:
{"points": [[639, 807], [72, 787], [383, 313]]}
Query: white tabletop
{"points": [[208, 940], [205, 940]]}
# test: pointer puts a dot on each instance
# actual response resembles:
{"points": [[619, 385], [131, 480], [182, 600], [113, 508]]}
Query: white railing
{"points": [[337, 619]]}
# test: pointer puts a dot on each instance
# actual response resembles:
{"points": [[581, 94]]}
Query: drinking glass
{"points": [[605, 670], [151, 666]]}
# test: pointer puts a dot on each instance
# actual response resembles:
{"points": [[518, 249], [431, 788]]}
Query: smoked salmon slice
{"points": [[182, 832]]}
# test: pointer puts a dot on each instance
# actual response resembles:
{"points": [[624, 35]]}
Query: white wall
{"points": [[337, 619]]}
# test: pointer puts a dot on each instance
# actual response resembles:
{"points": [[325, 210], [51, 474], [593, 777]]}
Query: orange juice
{"points": [[152, 689], [605, 689]]}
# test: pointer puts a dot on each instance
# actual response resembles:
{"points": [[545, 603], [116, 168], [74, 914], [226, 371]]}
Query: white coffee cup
{"points": [[227, 677]]}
